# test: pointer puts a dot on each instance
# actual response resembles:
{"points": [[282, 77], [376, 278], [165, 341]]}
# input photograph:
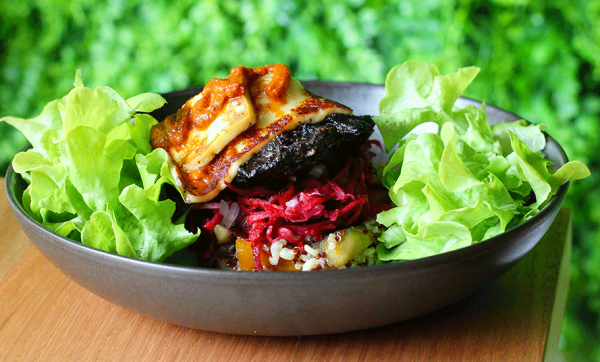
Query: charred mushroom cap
{"points": [[295, 152]]}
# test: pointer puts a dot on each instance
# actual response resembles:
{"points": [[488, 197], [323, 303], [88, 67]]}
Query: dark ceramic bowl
{"points": [[285, 303]]}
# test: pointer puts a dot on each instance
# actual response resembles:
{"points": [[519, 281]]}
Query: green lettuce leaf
{"points": [[416, 93], [35, 128], [469, 181], [94, 177]]}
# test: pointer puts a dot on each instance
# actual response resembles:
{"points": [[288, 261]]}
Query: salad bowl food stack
{"points": [[290, 303]]}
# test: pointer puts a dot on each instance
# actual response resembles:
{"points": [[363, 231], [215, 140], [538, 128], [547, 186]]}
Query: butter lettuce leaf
{"points": [[416, 93], [94, 177], [35, 128], [465, 183]]}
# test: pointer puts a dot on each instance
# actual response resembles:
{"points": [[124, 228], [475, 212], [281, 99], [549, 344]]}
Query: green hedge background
{"points": [[540, 59]]}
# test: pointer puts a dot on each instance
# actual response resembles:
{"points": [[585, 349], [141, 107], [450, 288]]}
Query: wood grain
{"points": [[14, 242], [510, 320], [44, 316]]}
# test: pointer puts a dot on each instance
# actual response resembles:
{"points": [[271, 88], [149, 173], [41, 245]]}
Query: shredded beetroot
{"points": [[216, 219], [256, 254], [375, 143], [308, 209], [305, 210]]}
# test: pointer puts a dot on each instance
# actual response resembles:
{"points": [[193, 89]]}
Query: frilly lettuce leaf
{"points": [[467, 182], [35, 128], [94, 177], [416, 93]]}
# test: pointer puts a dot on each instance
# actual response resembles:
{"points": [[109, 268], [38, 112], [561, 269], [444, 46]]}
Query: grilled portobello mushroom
{"points": [[295, 152]]}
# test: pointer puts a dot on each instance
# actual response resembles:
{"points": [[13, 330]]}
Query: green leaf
{"points": [[86, 183], [467, 182], [152, 167], [433, 238], [28, 160], [572, 170], [420, 85], [34, 128], [93, 170], [416, 93], [140, 133], [534, 169], [102, 232], [454, 175], [412, 204], [531, 135], [146, 102], [154, 236], [98, 232], [102, 109]]}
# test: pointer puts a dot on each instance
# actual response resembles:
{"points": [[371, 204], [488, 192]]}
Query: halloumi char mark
{"points": [[218, 130]]}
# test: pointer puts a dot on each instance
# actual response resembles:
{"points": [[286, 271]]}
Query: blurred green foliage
{"points": [[540, 59]]}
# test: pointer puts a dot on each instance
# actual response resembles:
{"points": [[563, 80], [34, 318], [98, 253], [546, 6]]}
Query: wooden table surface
{"points": [[44, 316]]}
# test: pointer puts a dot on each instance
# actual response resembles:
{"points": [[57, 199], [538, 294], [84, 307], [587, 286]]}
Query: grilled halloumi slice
{"points": [[208, 147], [203, 144]]}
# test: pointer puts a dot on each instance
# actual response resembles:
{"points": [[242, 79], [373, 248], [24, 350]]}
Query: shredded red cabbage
{"points": [[308, 209], [304, 211]]}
